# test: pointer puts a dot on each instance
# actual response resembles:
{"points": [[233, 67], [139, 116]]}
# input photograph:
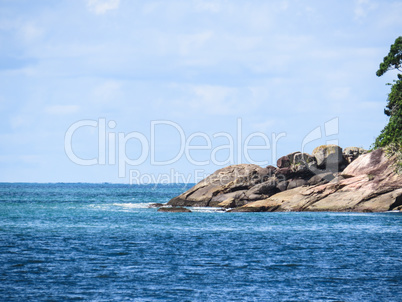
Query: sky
{"points": [[169, 91]]}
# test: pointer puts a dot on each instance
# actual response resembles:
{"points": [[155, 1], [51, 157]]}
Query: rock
{"points": [[283, 162], [284, 173], [156, 205], [237, 195], [261, 191], [294, 183], [304, 164], [265, 188], [296, 165], [226, 180], [399, 208], [295, 159], [303, 158], [382, 202], [250, 209], [328, 157], [321, 179], [250, 197], [227, 203], [292, 158], [174, 210], [369, 183], [373, 163], [283, 185], [241, 197], [351, 153], [303, 171], [337, 178], [271, 170], [273, 203]]}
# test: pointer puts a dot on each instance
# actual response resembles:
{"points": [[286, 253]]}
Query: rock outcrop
{"points": [[238, 185], [351, 153], [230, 182], [328, 180], [329, 157], [368, 184], [174, 210]]}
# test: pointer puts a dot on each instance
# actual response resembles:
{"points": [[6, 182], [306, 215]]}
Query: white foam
{"points": [[206, 209], [143, 205]]}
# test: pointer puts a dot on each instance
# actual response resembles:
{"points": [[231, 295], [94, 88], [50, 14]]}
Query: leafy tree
{"points": [[392, 133]]}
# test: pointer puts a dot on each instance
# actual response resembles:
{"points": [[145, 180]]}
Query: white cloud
{"points": [[376, 106], [340, 93], [190, 43], [26, 159], [210, 6], [20, 121], [26, 31], [216, 99], [264, 126], [61, 109], [150, 7], [391, 17], [106, 91], [30, 32], [2, 103], [284, 5], [31, 159], [362, 8], [100, 7]]}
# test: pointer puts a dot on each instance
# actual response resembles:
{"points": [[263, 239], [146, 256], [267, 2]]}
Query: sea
{"points": [[102, 242]]}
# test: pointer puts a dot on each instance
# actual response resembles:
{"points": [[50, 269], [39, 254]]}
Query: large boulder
{"points": [[352, 153], [262, 190], [283, 162], [227, 203], [284, 173], [239, 198], [373, 163], [329, 157], [283, 185], [296, 165], [226, 180], [295, 160], [298, 182], [305, 159], [301, 168], [304, 165], [271, 170], [320, 179]]}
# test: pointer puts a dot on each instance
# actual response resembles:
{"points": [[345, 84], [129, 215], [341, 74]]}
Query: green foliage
{"points": [[394, 58], [392, 133]]}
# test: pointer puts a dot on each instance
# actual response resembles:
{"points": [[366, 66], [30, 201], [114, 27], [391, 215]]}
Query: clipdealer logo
{"points": [[112, 146]]}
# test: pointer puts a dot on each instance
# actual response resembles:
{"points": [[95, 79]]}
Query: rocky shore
{"points": [[330, 179]]}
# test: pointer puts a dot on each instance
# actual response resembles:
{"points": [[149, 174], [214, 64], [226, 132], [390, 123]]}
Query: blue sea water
{"points": [[101, 242]]}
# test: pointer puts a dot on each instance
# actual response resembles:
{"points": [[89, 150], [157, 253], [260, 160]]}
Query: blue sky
{"points": [[274, 66]]}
